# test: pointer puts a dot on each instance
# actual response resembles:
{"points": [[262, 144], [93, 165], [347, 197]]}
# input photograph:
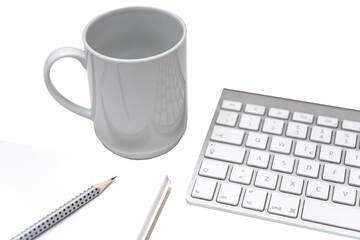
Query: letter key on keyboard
{"points": [[281, 160]]}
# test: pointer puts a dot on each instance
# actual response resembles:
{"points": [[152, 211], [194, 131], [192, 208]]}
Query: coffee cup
{"points": [[135, 60]]}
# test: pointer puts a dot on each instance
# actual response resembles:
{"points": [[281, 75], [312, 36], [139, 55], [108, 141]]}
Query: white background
{"points": [[306, 50]]}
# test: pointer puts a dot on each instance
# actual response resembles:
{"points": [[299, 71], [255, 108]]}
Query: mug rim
{"points": [[137, 60]]}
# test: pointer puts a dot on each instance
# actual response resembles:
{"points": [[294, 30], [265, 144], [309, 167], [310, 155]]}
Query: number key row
{"points": [[276, 127]]}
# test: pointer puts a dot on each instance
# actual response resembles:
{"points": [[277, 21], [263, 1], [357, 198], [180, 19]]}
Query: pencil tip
{"points": [[112, 179]]}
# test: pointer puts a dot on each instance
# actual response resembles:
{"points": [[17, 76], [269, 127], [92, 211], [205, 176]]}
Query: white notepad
{"points": [[36, 182]]}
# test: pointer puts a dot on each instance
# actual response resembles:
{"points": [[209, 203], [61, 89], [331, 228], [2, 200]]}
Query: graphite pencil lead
{"points": [[112, 179]]}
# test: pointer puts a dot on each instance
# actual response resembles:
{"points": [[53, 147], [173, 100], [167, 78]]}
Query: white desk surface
{"points": [[306, 50]]}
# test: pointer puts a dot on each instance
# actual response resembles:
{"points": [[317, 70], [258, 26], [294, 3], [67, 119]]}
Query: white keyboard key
{"points": [[345, 139], [227, 135], [273, 126], [229, 194], [290, 184], [327, 121], [351, 125], [308, 168], [354, 178], [302, 117], [352, 158], [280, 145], [317, 189], [266, 179], [320, 134], [213, 169], [334, 173], [331, 214], [254, 199], [258, 159], [250, 122], [284, 205], [296, 130], [330, 154], [225, 152], [240, 174], [305, 149], [257, 140], [204, 189], [278, 113], [255, 109], [231, 105], [227, 118], [345, 195], [283, 163]]}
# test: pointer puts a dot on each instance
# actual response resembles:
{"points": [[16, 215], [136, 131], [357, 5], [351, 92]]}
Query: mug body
{"points": [[136, 64]]}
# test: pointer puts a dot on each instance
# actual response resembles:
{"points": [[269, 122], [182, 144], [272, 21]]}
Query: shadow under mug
{"points": [[136, 63]]}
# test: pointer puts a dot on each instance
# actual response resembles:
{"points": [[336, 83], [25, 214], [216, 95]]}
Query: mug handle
{"points": [[52, 58]]}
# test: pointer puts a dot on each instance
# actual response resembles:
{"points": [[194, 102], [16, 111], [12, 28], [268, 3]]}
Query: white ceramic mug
{"points": [[136, 63]]}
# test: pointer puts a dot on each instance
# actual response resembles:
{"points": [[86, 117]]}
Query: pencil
{"points": [[64, 211]]}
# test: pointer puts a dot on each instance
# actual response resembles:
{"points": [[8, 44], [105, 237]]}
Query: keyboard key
{"points": [[254, 199], [266, 179], [354, 178], [258, 159], [278, 113], [320, 134], [240, 174], [231, 105], [229, 194], [296, 130], [255, 109], [280, 145], [227, 135], [290, 184], [273, 126], [250, 122], [331, 214], [213, 169], [351, 125], [330, 154], [305, 149], [334, 173], [345, 195], [308, 168], [225, 152], [327, 121], [257, 140], [204, 189], [317, 189], [284, 205], [302, 117], [283, 163], [227, 118], [352, 158], [345, 139]]}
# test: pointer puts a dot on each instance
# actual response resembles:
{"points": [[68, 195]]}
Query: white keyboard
{"points": [[281, 160]]}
